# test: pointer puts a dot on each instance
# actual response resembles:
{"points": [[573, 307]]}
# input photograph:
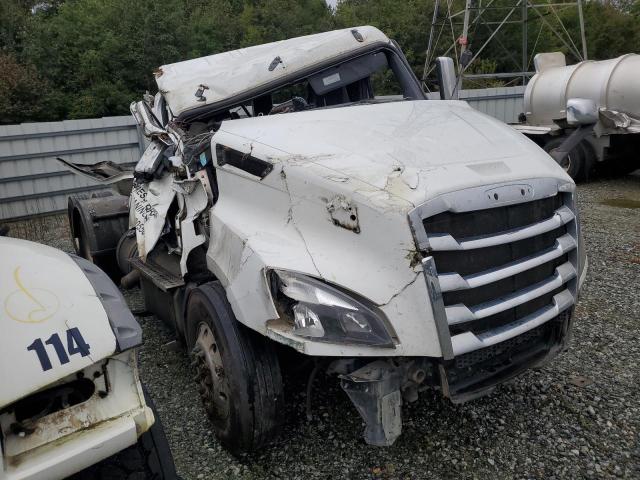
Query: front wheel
{"points": [[237, 372]]}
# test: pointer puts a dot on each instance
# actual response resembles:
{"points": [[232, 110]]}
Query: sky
{"points": [[332, 2]]}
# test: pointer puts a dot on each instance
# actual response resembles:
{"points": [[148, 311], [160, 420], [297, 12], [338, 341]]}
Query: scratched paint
{"points": [[30, 304]]}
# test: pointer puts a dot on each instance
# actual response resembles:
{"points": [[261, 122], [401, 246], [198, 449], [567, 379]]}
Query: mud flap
{"points": [[375, 392]]}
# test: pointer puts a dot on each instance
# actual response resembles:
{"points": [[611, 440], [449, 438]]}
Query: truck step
{"points": [[160, 277]]}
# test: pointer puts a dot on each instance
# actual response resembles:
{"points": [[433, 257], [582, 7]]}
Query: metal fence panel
{"points": [[33, 182], [503, 103]]}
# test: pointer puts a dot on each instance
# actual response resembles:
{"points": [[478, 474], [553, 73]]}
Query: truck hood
{"points": [[413, 150], [43, 294]]}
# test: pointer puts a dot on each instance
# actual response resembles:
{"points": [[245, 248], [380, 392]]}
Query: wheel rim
{"points": [[565, 163], [211, 377]]}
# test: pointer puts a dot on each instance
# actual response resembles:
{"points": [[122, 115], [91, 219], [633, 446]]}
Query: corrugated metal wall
{"points": [[33, 182], [503, 103]]}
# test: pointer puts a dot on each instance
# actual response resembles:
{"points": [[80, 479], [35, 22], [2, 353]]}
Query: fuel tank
{"points": [[611, 84]]}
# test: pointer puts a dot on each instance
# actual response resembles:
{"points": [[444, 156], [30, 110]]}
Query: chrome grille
{"points": [[501, 259]]}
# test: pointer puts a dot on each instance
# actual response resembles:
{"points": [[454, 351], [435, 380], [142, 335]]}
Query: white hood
{"points": [[43, 292], [411, 149]]}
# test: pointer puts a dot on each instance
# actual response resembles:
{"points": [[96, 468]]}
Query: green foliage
{"points": [[407, 22], [610, 31], [98, 55], [21, 92], [86, 58]]}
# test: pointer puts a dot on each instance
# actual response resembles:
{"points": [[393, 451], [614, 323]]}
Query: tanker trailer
{"points": [[609, 87]]}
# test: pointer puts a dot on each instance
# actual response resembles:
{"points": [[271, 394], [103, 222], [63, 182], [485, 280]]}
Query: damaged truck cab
{"points": [[305, 193]]}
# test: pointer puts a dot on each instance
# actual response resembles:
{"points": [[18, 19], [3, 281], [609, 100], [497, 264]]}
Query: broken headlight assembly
{"points": [[326, 313]]}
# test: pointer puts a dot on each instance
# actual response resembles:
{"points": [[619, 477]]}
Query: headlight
{"points": [[325, 313]]}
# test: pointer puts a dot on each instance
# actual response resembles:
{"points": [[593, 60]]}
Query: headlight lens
{"points": [[325, 313]]}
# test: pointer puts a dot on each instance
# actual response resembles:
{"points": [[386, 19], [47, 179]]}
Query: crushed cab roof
{"points": [[209, 80]]}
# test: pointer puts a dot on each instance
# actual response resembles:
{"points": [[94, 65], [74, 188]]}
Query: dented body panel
{"points": [[208, 80], [287, 220]]}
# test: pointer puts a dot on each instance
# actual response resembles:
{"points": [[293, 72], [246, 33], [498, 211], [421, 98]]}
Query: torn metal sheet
{"points": [[195, 200], [612, 119], [105, 172], [151, 201]]}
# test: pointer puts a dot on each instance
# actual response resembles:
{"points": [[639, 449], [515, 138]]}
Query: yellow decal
{"points": [[30, 305]]}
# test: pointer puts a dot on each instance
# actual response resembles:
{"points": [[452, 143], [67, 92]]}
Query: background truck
{"points": [[71, 401], [303, 198], [612, 86]]}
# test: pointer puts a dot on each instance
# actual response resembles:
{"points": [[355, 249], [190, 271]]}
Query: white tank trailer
{"points": [[596, 101]]}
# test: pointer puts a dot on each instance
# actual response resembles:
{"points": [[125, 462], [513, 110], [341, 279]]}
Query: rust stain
{"points": [[414, 257]]}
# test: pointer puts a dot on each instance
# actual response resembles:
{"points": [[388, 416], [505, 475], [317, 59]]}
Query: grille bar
{"points": [[502, 261], [468, 341], [446, 242], [454, 281], [460, 313]]}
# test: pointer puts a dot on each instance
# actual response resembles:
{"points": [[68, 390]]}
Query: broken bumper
{"points": [[70, 439], [378, 389]]}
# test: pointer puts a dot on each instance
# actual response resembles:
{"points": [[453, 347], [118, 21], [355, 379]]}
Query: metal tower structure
{"points": [[483, 21]]}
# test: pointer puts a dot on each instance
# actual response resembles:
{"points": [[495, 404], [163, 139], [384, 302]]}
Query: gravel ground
{"points": [[579, 417]]}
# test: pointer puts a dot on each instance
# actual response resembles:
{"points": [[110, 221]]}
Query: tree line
{"points": [[62, 59]]}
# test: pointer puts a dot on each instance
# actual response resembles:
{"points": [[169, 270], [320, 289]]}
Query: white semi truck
{"points": [[305, 196]]}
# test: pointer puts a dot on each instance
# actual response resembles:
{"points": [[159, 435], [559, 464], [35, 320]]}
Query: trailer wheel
{"points": [[573, 163], [237, 372], [590, 159]]}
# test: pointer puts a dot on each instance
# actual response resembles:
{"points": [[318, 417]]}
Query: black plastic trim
{"points": [[125, 327], [242, 161]]}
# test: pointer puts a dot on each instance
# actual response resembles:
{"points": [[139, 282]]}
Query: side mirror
{"points": [[581, 111], [447, 80]]}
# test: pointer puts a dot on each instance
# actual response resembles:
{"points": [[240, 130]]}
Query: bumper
{"points": [[379, 388], [66, 440], [76, 452]]}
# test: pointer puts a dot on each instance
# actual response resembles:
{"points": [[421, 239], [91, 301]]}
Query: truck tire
{"points": [[236, 369], [149, 459], [590, 159], [574, 163]]}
